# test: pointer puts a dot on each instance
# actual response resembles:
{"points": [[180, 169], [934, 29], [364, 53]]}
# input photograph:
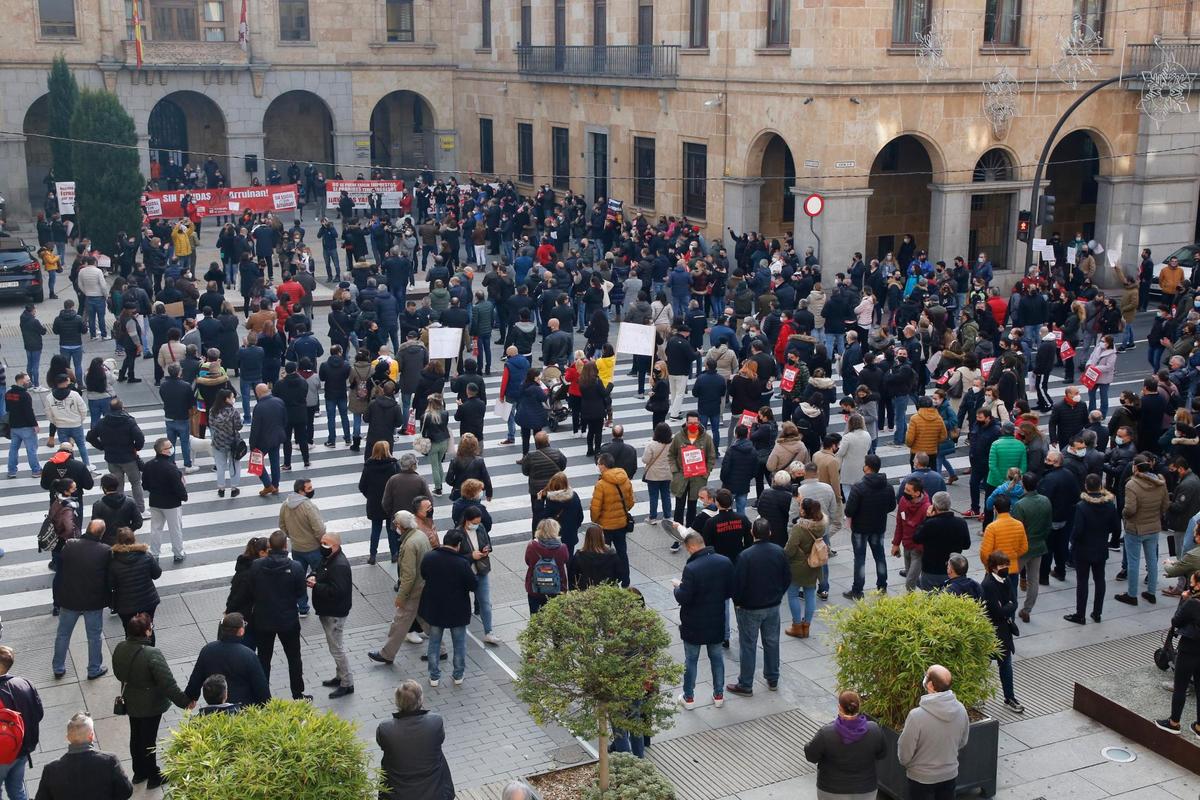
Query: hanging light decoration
{"points": [[931, 52], [1000, 101], [1165, 87], [1078, 50]]}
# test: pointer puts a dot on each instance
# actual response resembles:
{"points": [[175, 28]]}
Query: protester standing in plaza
{"points": [[702, 592], [332, 588]]}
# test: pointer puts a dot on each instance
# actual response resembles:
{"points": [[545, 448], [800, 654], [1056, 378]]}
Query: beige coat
{"points": [[829, 470], [657, 458], [1145, 503], [785, 452]]}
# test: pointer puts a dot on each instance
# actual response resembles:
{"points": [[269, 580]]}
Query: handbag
{"points": [[239, 449], [818, 554], [422, 445], [119, 700], [629, 521], [255, 465]]}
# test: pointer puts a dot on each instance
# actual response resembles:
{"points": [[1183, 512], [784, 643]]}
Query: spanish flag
{"points": [[137, 32]]}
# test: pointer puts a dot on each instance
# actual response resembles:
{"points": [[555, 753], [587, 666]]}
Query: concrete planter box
{"points": [[976, 762]]}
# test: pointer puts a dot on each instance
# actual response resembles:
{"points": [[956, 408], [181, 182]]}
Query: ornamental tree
{"points": [[108, 178]]}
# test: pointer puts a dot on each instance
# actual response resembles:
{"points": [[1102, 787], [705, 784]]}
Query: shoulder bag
{"points": [[629, 521], [818, 554], [119, 700]]}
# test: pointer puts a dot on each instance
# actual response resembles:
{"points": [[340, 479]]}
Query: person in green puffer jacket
{"points": [[149, 688], [1006, 452], [1035, 513]]}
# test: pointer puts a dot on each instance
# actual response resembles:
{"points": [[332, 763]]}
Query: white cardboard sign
{"points": [[445, 342], [636, 339]]}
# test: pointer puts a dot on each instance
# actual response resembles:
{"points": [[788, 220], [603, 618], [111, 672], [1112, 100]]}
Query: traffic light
{"points": [[1023, 226], [1046, 210]]}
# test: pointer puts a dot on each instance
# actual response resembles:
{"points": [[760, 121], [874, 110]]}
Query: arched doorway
{"points": [[991, 209], [186, 128], [38, 158], [900, 199], [776, 203], [298, 126], [402, 127], [1072, 170]]}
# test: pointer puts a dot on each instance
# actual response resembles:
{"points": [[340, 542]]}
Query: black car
{"points": [[20, 270]]}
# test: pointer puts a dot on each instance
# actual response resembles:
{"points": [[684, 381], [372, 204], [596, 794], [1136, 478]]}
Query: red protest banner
{"points": [[220, 202], [389, 191], [1066, 351], [985, 367]]}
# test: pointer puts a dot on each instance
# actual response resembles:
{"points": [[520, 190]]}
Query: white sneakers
{"points": [[434, 682], [414, 637], [687, 702], [491, 638], [458, 681], [191, 470]]}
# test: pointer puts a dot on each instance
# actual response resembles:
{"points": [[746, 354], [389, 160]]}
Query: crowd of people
{"points": [[772, 346]]}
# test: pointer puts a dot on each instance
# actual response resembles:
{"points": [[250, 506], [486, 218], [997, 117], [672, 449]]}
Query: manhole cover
{"points": [[1121, 755]]}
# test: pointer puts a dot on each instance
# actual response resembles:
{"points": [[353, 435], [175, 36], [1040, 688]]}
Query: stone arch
{"points": [[298, 125], [187, 127], [995, 164], [900, 200], [771, 159], [38, 158], [402, 131]]}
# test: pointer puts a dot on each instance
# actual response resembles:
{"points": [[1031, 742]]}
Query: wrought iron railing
{"points": [[609, 61], [1143, 57]]}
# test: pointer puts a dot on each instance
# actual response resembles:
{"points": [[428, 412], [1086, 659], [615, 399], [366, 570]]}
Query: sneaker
{"points": [[733, 688], [651, 520], [458, 681], [690, 702], [1014, 706], [179, 560], [972, 514], [823, 595], [773, 686], [676, 547], [220, 492], [1168, 726], [1121, 575], [1170, 591], [1195, 728], [414, 637], [718, 700], [234, 492], [1149, 598], [304, 614], [1122, 597], [191, 470], [434, 682], [491, 638], [103, 671]]}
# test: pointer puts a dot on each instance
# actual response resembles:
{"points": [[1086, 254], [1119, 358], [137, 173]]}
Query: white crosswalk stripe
{"points": [[216, 529]]}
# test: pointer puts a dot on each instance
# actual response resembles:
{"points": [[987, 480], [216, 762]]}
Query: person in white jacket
{"points": [[91, 284], [66, 410]]}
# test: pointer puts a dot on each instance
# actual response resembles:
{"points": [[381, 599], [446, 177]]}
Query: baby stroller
{"points": [[556, 396], [1164, 657]]}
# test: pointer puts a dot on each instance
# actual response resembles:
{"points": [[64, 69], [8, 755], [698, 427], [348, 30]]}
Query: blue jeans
{"points": [[75, 353], [1006, 676], [660, 490], [94, 307], [943, 462], [28, 438], [311, 559], [483, 598], [33, 365], [810, 602], [1100, 389], [13, 777], [246, 388], [76, 435], [458, 638], [1135, 545], [340, 407], [1128, 339], [228, 468], [713, 422], [97, 409], [1154, 355], [270, 473], [512, 424], [406, 404], [180, 429], [751, 624], [835, 343], [378, 526], [716, 662], [739, 503], [860, 542], [93, 622], [900, 408]]}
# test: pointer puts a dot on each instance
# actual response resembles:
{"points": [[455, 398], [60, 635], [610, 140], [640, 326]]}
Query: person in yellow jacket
{"points": [[385, 357], [1006, 534], [184, 241], [926, 429], [53, 266], [611, 498]]}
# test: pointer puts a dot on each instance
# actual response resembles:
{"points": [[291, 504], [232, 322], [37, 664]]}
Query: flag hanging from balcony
{"points": [[243, 29], [137, 32]]}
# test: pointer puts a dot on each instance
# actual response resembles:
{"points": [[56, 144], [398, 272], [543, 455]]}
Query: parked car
{"points": [[1187, 259], [20, 270]]}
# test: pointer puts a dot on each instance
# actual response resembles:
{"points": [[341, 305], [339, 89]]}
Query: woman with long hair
{"points": [[376, 471], [657, 472], [804, 535], [432, 381], [562, 504], [596, 562], [467, 464], [660, 395], [592, 406], [241, 593], [224, 422], [435, 426], [531, 413], [98, 383], [1104, 359]]}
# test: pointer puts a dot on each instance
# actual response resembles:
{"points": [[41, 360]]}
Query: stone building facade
{"points": [[728, 111]]}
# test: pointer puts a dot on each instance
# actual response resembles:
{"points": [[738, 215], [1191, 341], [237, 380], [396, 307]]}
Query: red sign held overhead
{"points": [[814, 204]]}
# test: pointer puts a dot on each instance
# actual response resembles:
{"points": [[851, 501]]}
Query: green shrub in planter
{"points": [[882, 647], [633, 779], [284, 749]]}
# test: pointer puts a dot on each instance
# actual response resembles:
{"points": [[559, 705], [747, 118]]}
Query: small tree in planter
{"points": [[595, 660], [883, 646], [285, 748]]}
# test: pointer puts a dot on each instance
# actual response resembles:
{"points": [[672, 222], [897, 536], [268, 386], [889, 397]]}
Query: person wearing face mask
{"points": [[164, 484], [332, 596], [300, 519], [689, 476], [1006, 534], [1000, 604], [1187, 662], [1146, 503], [1185, 504], [1157, 340]]}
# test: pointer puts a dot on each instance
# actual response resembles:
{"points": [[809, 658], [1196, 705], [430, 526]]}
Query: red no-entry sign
{"points": [[814, 204]]}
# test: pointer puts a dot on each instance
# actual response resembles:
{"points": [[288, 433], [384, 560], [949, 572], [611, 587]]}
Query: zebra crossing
{"points": [[216, 529]]}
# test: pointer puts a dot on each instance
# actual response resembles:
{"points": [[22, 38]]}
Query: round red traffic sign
{"points": [[814, 204]]}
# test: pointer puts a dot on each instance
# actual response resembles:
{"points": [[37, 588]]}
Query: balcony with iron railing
{"points": [[654, 65], [1143, 57]]}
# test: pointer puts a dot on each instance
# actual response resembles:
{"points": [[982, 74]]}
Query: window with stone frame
{"points": [[293, 21], [697, 23], [1002, 22], [525, 152], [778, 23], [526, 23], [487, 159], [695, 180], [1090, 13], [56, 19], [910, 19], [485, 29], [179, 20], [560, 144], [400, 21], [643, 171]]}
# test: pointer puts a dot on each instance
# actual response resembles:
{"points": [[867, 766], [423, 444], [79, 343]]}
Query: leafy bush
{"points": [[106, 168], [597, 660], [633, 779], [286, 749], [883, 646]]}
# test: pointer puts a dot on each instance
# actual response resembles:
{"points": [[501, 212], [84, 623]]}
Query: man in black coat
{"points": [[774, 505], [84, 765], [164, 483], [64, 464], [115, 509], [446, 603], [266, 435], [332, 596], [681, 357], [624, 456], [276, 583], [293, 391], [1096, 520], [760, 579], [335, 378], [739, 466], [1150, 420], [119, 436], [987, 431], [470, 413], [229, 657], [1062, 488], [19, 694], [702, 593], [867, 508], [942, 534], [81, 590], [1068, 418]]}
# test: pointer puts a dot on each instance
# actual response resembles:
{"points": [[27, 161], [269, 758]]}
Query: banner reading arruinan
{"points": [[221, 202], [389, 191]]}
